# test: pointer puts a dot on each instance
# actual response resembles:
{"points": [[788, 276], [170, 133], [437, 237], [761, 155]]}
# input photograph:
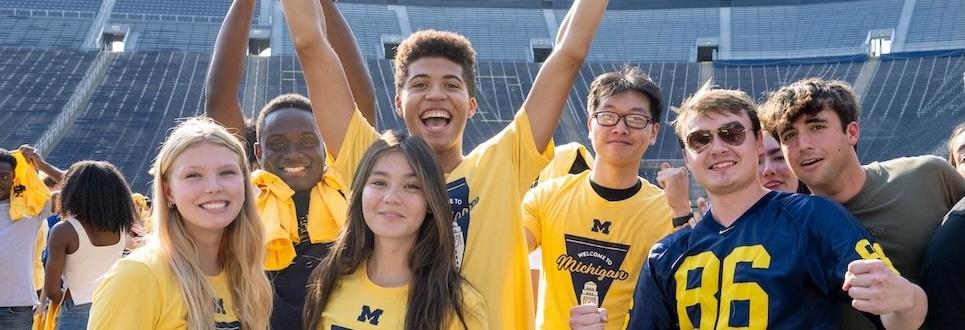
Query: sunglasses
{"points": [[732, 134]]}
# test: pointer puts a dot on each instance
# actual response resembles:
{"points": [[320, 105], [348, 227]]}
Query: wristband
{"points": [[681, 220]]}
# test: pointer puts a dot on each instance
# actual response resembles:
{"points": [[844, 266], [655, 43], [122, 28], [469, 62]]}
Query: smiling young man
{"points": [[899, 201], [758, 258], [301, 203], [435, 95], [596, 227]]}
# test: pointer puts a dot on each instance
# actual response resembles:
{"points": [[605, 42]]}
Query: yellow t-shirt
{"points": [[39, 246], [485, 192], [357, 303], [593, 249], [141, 292]]}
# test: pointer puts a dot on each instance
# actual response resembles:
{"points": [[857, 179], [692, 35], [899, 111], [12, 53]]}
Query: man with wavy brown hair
{"points": [[899, 201]]}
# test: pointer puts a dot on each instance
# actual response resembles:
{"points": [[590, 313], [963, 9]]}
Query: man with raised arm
{"points": [[435, 94], [301, 203]]}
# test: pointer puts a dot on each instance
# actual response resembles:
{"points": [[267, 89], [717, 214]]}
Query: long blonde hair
{"points": [[242, 248]]}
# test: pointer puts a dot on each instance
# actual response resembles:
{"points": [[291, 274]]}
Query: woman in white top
{"points": [[98, 213]]}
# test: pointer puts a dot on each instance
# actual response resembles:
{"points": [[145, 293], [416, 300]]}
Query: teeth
{"points": [[809, 162], [293, 169], [435, 114], [214, 205], [723, 164]]}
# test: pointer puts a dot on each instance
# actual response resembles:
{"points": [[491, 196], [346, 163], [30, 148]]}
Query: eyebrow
{"points": [[225, 166], [302, 134], [814, 119], [423, 75], [383, 173], [638, 109], [772, 152]]}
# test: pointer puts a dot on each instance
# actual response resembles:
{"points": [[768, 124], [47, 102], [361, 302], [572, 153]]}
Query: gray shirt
{"points": [[17, 240], [901, 203]]}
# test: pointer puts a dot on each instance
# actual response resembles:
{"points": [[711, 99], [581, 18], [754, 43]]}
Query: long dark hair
{"points": [[96, 193], [435, 292]]}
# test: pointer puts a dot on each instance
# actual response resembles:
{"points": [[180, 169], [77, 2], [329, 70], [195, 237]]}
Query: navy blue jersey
{"points": [[780, 265]]}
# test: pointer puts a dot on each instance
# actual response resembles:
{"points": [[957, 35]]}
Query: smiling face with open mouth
{"points": [[291, 148], [819, 147], [434, 101], [207, 186], [721, 167]]}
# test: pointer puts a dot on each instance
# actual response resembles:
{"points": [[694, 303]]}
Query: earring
{"points": [[170, 205]]}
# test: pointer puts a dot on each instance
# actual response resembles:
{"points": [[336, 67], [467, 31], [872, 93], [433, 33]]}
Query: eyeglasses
{"points": [[607, 118], [734, 135]]}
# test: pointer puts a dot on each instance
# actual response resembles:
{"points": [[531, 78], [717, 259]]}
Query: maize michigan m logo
{"points": [[370, 316], [601, 227]]}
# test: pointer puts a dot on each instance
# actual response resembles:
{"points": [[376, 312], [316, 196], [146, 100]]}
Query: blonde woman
{"points": [[202, 268]]}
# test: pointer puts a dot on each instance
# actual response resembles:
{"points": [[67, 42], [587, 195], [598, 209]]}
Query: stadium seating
{"points": [[910, 103], [758, 79], [652, 35], [175, 35], [72, 5], [818, 29], [44, 32], [936, 22], [174, 7], [35, 84], [132, 111], [911, 106]]}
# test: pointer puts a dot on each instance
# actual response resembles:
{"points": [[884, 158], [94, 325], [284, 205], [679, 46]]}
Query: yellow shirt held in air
{"points": [[358, 304], [593, 249], [141, 292], [485, 192]]}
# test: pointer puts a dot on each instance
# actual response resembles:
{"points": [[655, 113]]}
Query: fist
{"points": [[587, 317], [675, 182], [875, 288]]}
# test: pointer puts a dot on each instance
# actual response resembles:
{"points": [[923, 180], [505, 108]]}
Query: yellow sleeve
{"points": [[130, 295], [358, 137], [528, 158], [531, 214], [39, 246]]}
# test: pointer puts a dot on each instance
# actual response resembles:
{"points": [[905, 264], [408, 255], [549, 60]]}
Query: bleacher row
{"points": [[666, 34], [910, 106]]}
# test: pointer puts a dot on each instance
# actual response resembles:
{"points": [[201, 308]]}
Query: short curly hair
{"points": [[432, 43], [806, 98], [284, 101]]}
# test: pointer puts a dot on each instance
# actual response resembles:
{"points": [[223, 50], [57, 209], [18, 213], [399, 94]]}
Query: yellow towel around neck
{"points": [[28, 194], [326, 215]]}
